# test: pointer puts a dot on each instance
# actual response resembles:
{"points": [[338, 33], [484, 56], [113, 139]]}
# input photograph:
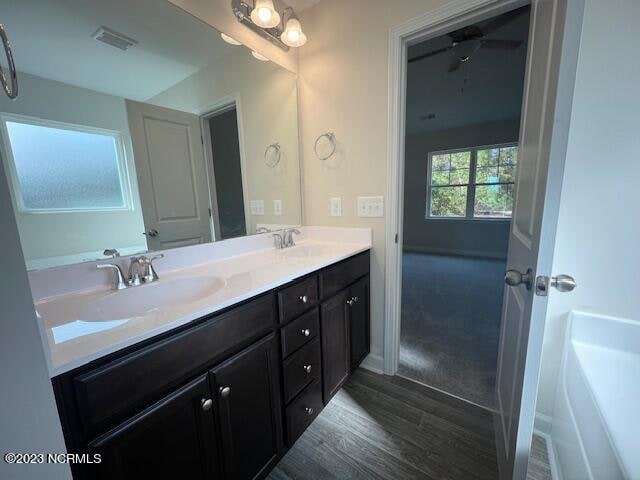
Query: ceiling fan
{"points": [[468, 40]]}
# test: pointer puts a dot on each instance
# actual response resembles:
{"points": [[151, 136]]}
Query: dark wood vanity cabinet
{"points": [[223, 397]]}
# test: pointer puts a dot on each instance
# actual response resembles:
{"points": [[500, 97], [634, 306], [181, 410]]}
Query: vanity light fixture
{"points": [[293, 34], [260, 57], [229, 39], [262, 17], [264, 14]]}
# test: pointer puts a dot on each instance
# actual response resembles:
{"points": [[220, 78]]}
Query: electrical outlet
{"points": [[336, 206], [257, 207], [371, 206], [277, 207]]}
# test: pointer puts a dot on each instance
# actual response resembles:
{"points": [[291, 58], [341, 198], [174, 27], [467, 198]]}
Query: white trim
{"points": [[552, 454], [220, 106], [373, 363], [452, 15], [124, 174]]}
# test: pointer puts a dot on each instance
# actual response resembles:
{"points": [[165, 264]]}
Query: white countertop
{"points": [[71, 341]]}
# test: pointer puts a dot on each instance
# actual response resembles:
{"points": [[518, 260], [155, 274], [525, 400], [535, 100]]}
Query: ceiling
{"points": [[301, 5], [52, 39], [488, 87]]}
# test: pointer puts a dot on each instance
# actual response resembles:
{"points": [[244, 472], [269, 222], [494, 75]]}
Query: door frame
{"points": [[446, 18], [210, 110]]}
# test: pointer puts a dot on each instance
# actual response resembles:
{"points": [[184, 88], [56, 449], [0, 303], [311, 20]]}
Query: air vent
{"points": [[113, 38]]}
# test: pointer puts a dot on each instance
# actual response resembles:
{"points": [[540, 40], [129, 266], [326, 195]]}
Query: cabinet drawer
{"points": [[112, 392], [297, 298], [301, 368], [299, 332], [341, 275], [303, 411]]}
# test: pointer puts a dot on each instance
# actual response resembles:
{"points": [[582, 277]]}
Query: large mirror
{"points": [[138, 128]]}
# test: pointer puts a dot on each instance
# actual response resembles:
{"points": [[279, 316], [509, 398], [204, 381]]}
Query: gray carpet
{"points": [[451, 309]]}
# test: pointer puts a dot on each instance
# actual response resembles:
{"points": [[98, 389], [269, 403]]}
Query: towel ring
{"points": [[12, 92], [330, 136], [272, 155]]}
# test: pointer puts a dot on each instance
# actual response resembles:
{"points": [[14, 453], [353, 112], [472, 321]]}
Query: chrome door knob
{"points": [[224, 392], [309, 410], [306, 332], [304, 298], [307, 368], [152, 233], [513, 278], [206, 404], [563, 283]]}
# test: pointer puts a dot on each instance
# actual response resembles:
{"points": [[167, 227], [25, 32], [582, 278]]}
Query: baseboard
{"points": [[551, 451], [373, 363], [454, 251], [542, 423]]}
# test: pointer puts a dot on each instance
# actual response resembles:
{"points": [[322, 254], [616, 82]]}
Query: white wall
{"points": [[70, 237], [269, 113], [28, 416], [343, 85], [599, 224], [459, 237]]}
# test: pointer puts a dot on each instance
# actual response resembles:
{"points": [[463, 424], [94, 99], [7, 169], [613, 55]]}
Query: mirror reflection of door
{"points": [[226, 174], [169, 156]]}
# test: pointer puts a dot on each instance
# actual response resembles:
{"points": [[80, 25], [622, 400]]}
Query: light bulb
{"points": [[229, 39], [258, 56], [264, 14], [293, 35]]}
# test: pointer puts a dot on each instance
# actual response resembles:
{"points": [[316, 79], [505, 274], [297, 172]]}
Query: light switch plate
{"points": [[336, 206], [371, 206], [257, 207], [277, 207]]}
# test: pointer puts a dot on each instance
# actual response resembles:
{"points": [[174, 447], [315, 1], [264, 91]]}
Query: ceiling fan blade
{"points": [[430, 54], [454, 65], [501, 44], [502, 20]]}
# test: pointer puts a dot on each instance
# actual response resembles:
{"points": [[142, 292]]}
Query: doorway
{"points": [[464, 98], [225, 172]]}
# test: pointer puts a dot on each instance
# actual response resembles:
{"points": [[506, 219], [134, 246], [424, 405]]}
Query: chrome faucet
{"points": [[284, 238], [140, 271]]}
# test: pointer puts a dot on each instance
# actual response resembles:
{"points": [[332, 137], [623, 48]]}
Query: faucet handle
{"points": [[278, 239], [150, 273], [120, 283]]}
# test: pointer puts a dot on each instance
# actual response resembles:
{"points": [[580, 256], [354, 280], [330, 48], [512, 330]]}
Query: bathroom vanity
{"points": [[224, 395]]}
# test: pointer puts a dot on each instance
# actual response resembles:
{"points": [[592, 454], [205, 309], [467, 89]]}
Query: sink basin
{"points": [[142, 300], [306, 251]]}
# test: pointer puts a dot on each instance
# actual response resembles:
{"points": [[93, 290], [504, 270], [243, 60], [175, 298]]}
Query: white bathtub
{"points": [[596, 427]]}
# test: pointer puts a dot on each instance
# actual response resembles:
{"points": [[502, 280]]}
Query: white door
{"points": [[552, 56], [169, 156]]}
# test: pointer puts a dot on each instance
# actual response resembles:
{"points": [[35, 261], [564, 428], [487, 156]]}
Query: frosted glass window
{"points": [[66, 169]]}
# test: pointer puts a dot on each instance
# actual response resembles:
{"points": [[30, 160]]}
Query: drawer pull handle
{"points": [[309, 410], [306, 332], [206, 404], [225, 391], [303, 298], [307, 368]]}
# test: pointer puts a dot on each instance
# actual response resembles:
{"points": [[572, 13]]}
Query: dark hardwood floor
{"points": [[380, 427]]}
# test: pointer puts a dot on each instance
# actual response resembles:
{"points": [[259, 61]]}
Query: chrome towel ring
{"points": [[331, 138], [12, 92], [272, 155]]}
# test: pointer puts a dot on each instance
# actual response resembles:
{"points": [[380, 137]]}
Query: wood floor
{"points": [[380, 427]]}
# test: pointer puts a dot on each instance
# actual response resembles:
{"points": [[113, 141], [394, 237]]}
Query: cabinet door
{"points": [[174, 438], [250, 414], [334, 328], [359, 321]]}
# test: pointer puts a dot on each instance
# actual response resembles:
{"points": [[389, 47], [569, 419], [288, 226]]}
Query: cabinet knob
{"points": [[306, 332], [206, 404], [309, 410], [224, 391], [350, 302], [303, 298], [307, 368], [355, 299]]}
